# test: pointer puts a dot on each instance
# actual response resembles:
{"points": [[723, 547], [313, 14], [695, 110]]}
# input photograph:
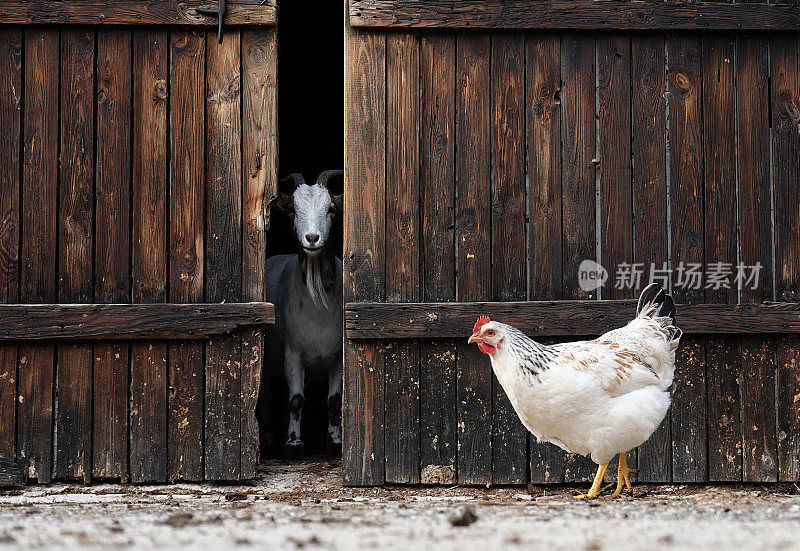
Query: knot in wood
{"points": [[683, 83], [160, 90]]}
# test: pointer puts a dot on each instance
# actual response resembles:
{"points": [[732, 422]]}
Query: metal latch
{"points": [[217, 11]]}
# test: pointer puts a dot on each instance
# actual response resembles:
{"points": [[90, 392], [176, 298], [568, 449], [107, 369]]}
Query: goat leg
{"points": [[264, 417], [333, 444], [295, 377]]}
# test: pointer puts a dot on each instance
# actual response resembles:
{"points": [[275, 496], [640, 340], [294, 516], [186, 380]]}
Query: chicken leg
{"points": [[594, 491], [623, 480]]}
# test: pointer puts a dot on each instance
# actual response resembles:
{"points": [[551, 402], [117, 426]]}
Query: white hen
{"points": [[599, 398]]}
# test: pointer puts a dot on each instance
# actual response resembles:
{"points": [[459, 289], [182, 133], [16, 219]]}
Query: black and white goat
{"points": [[306, 289]]}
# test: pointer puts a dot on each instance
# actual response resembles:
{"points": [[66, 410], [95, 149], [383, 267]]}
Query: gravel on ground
{"points": [[304, 506]]}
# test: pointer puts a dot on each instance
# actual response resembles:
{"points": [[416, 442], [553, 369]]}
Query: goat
{"points": [[306, 289]]}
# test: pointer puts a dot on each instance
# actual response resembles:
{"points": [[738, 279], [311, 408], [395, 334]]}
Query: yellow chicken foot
{"points": [[594, 491], [623, 480], [607, 487]]}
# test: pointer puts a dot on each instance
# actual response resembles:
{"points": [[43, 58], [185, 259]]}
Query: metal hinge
{"points": [[217, 11]]}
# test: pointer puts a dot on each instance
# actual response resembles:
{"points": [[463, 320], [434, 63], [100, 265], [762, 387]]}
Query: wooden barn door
{"points": [[139, 154], [492, 148]]}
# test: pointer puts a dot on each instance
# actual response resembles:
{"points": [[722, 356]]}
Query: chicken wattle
{"points": [[599, 398]]}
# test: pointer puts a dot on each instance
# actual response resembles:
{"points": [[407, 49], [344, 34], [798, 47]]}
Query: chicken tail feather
{"points": [[675, 338], [655, 302], [667, 308]]}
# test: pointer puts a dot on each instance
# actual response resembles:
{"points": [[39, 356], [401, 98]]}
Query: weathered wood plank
{"points": [[112, 249], [223, 394], [785, 100], [474, 406], [509, 436], [76, 167], [150, 101], [473, 251], [39, 255], [364, 251], [614, 157], [722, 354], [723, 364], [260, 184], [259, 152], [35, 411], [438, 436], [187, 246], [252, 360], [75, 250], [649, 149], [148, 461], [145, 12], [113, 174], [401, 446], [650, 202], [564, 14], [185, 411], [223, 167], [8, 393], [73, 459], [578, 166], [759, 444], [148, 394], [438, 416], [753, 165], [10, 149], [128, 321], [578, 183], [788, 421], [402, 253], [187, 153], [508, 165], [545, 247], [688, 410], [785, 59], [223, 408], [110, 429], [543, 82], [372, 320], [402, 175]]}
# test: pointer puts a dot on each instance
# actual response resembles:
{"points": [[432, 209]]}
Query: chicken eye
{"points": [[490, 332]]}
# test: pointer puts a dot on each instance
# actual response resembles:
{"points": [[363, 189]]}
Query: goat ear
{"points": [[338, 202], [286, 202], [283, 202]]}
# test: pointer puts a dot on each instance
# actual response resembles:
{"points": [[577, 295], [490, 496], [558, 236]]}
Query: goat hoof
{"points": [[294, 450], [333, 449]]}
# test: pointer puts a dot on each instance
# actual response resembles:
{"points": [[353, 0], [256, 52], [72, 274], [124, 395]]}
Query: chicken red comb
{"points": [[483, 320]]}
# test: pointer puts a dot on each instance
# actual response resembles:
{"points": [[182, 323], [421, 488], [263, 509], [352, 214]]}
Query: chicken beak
{"points": [[474, 339]]}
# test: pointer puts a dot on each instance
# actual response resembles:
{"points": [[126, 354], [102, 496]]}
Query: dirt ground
{"points": [[303, 506]]}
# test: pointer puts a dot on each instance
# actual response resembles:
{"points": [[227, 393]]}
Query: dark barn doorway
{"points": [[311, 140]]}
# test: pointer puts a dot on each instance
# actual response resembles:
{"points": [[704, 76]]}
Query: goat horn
{"points": [[295, 179], [325, 177]]}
